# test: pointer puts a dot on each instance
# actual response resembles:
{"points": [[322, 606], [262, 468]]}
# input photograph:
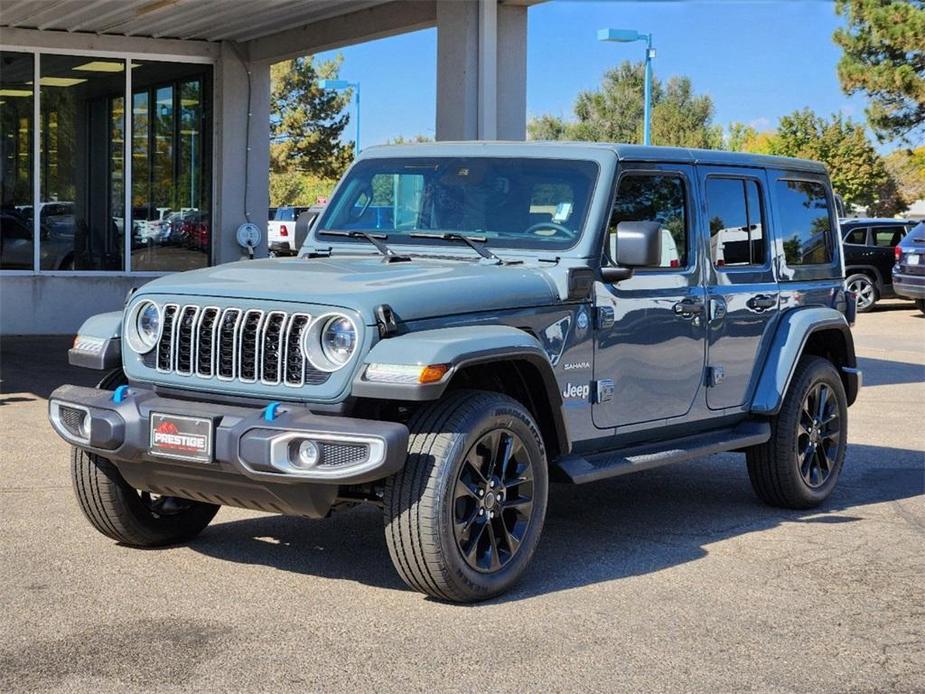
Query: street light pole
{"points": [[647, 114], [356, 140], [628, 36]]}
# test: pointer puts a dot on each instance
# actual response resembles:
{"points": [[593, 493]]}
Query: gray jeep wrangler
{"points": [[466, 323]]}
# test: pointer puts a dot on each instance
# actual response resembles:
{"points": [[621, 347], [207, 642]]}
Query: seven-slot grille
{"points": [[235, 344]]}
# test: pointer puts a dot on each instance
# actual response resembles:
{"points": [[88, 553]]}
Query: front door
{"points": [[650, 331], [742, 294]]}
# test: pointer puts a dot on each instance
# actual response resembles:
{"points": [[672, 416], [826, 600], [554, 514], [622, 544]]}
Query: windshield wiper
{"points": [[390, 255], [471, 241]]}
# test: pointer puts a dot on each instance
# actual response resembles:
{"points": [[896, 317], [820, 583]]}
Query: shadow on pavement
{"points": [[38, 365], [882, 372], [607, 531]]}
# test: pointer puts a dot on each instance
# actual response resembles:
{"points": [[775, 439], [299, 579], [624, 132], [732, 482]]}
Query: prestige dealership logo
{"points": [[166, 435]]}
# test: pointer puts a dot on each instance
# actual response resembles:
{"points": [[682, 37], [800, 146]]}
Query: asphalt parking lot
{"points": [[676, 579]]}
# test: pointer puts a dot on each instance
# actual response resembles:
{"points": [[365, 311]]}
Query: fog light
{"points": [[85, 427], [308, 454]]}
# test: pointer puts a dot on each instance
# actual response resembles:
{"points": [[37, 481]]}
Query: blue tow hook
{"points": [[120, 394], [270, 411]]}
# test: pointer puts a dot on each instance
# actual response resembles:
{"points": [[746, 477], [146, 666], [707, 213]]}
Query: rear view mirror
{"points": [[638, 244]]}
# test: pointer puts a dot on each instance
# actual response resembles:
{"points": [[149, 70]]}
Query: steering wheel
{"points": [[564, 230]]}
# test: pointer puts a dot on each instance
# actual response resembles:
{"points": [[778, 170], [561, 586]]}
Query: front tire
{"points": [[920, 305], [134, 518], [125, 514], [464, 516], [799, 466], [865, 288]]}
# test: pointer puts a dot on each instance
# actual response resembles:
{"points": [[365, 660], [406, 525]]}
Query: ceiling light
{"points": [[60, 81], [101, 66]]}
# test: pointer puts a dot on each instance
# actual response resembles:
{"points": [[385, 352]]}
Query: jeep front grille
{"points": [[235, 345]]}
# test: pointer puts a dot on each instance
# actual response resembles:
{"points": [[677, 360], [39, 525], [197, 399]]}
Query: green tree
{"points": [[614, 113], [884, 56], [907, 166], [306, 122], [857, 171]]}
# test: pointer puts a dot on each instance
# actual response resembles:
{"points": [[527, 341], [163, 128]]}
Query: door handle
{"points": [[688, 307], [761, 302]]}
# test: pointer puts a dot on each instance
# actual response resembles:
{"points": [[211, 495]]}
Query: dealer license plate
{"points": [[185, 438]]}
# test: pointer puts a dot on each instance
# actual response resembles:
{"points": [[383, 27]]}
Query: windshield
{"points": [[508, 202]]}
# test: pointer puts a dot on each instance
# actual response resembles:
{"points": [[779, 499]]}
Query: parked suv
{"points": [[869, 257], [465, 323], [909, 272]]}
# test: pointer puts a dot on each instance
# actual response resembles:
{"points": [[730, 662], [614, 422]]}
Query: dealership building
{"points": [[134, 134]]}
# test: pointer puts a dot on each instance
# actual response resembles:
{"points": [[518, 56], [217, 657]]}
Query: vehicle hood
{"points": [[421, 288]]}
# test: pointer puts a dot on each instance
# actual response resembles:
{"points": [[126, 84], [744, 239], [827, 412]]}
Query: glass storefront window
{"points": [[16, 131], [81, 165], [82, 174], [171, 178]]}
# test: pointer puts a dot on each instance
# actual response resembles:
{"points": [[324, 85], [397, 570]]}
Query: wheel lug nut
{"points": [[492, 484], [481, 492], [491, 514], [481, 511]]}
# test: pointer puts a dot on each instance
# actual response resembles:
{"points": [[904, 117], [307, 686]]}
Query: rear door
{"points": [[742, 292]]}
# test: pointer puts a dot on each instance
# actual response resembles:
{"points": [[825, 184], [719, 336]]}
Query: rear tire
{"points": [[799, 466], [920, 305], [464, 516], [126, 515], [865, 288]]}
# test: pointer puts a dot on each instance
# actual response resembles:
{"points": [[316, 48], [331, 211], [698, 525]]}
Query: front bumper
{"points": [[250, 454], [909, 286]]}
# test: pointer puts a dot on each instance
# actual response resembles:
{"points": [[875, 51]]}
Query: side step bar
{"points": [[599, 466]]}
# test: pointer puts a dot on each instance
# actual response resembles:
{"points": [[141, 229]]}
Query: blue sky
{"points": [[757, 59]]}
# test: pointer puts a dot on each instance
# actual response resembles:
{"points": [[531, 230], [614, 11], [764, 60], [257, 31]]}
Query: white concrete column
{"points": [[457, 70], [512, 72], [481, 70], [241, 160]]}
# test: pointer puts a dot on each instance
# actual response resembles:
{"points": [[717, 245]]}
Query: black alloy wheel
{"points": [[493, 500], [819, 435]]}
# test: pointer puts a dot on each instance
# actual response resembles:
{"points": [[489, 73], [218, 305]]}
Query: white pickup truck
{"points": [[281, 229]]}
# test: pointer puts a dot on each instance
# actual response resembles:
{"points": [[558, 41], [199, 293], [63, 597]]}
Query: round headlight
{"points": [[338, 340], [145, 327], [329, 342]]}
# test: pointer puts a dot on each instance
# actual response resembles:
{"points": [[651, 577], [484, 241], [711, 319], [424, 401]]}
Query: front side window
{"points": [[858, 236], [655, 198], [510, 202], [805, 219], [736, 228]]}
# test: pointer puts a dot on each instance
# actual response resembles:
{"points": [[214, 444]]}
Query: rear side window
{"points": [[857, 236], [888, 237], [655, 198], [736, 222], [806, 226]]}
